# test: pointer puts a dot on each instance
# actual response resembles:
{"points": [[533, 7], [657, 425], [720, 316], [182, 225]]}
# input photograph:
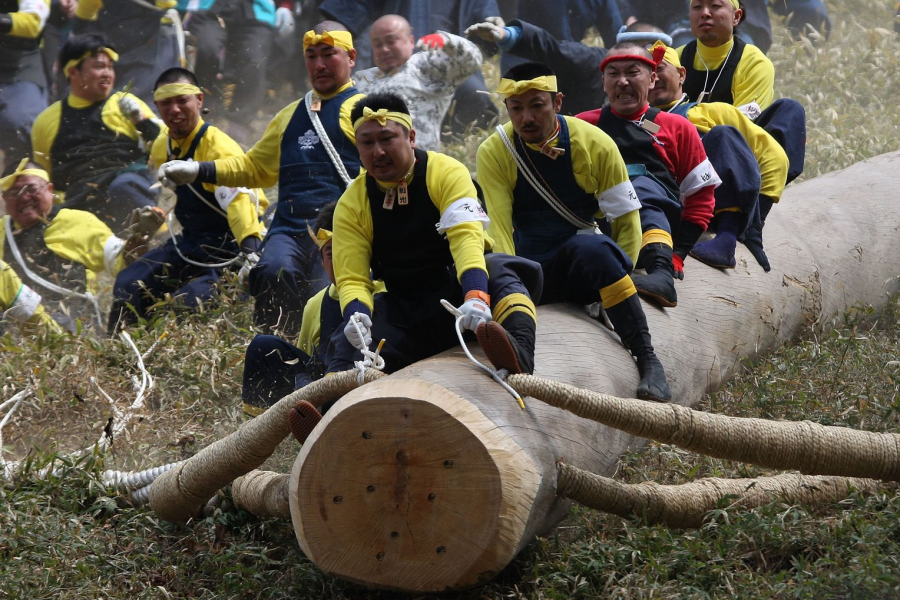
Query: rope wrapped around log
{"points": [[804, 446], [179, 494], [686, 505]]}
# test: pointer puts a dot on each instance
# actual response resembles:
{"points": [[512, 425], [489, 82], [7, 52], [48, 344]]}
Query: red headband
{"points": [[659, 54]]}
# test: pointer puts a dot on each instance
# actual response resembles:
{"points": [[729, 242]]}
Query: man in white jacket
{"points": [[425, 80]]}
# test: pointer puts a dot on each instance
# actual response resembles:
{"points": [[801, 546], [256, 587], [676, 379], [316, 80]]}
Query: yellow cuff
{"points": [[514, 303], [656, 236], [253, 411], [732, 209], [618, 292]]}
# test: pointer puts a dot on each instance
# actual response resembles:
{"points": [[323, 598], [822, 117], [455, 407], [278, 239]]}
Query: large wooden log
{"points": [[434, 478]]}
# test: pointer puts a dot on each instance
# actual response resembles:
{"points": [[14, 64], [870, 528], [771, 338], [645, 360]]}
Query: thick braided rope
{"points": [[804, 446], [179, 494], [263, 493], [686, 505]]}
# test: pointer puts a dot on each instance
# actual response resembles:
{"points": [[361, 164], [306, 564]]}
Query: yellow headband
{"points": [[338, 39], [544, 83], [736, 3], [113, 55], [170, 90], [8, 181], [321, 238], [383, 115], [671, 55]]}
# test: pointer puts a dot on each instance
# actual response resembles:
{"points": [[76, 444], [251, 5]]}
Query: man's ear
{"points": [[412, 138], [351, 54], [738, 16], [557, 102]]}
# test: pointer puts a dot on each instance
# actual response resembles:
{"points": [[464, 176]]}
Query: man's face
{"points": [[328, 260], [627, 84], [181, 114], [386, 152], [533, 114], [28, 200], [328, 67], [392, 43], [667, 88], [713, 21], [94, 78]]}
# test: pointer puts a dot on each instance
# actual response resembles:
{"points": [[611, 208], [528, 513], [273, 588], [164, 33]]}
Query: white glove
{"points": [[284, 21], [178, 172], [250, 261], [365, 328], [492, 30], [131, 108], [474, 311]]}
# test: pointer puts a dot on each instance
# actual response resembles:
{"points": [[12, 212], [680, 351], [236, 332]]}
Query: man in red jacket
{"points": [[667, 166]]}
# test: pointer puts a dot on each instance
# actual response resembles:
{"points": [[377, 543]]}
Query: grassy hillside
{"points": [[70, 537]]}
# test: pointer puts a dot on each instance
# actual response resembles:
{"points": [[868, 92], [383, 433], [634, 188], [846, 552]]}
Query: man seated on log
{"points": [[667, 165], [751, 164], [50, 256], [385, 223], [220, 225], [308, 150], [720, 67], [273, 368], [546, 178], [94, 142], [425, 80]]}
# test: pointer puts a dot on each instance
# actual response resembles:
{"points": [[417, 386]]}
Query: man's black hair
{"points": [[174, 75], [325, 218], [79, 45], [527, 70], [379, 100]]}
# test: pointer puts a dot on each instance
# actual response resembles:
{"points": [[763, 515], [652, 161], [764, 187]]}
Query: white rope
{"points": [[221, 265], [326, 141], [371, 360], [495, 375], [46, 284], [15, 401]]}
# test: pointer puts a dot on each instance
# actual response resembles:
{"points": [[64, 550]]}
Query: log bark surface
{"points": [[832, 243]]}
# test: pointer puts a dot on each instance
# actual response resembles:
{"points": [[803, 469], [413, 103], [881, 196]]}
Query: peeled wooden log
{"points": [[433, 478]]}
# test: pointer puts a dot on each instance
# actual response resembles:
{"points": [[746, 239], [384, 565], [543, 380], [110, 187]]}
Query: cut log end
{"points": [[409, 484]]}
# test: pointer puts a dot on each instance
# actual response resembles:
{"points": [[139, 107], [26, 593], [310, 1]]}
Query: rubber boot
{"points": [[509, 346], [658, 285], [630, 323], [719, 251], [752, 236]]}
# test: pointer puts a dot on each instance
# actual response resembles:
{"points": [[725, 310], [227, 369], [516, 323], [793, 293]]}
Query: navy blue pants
{"points": [[785, 120], [658, 210], [583, 265], [20, 104], [162, 271], [416, 326], [734, 161], [288, 274], [273, 368]]}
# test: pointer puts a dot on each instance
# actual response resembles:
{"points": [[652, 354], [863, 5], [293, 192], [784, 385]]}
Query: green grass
{"points": [[69, 536]]}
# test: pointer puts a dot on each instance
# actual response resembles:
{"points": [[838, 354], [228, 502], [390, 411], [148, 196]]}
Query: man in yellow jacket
{"points": [[49, 256], [94, 142], [751, 163], [220, 225]]}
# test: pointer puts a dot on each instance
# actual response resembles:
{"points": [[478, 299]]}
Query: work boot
{"points": [[512, 347], [630, 323], [719, 251], [658, 285], [303, 419]]}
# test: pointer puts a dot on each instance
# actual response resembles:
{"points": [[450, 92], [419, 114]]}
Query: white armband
{"points": [[751, 110], [25, 304], [111, 250], [36, 7], [226, 195], [464, 210], [702, 176], [618, 200]]}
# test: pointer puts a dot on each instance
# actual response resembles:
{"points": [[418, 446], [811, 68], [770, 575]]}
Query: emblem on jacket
{"points": [[308, 140]]}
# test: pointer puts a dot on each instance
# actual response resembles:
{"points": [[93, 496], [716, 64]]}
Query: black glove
{"points": [[753, 241]]}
